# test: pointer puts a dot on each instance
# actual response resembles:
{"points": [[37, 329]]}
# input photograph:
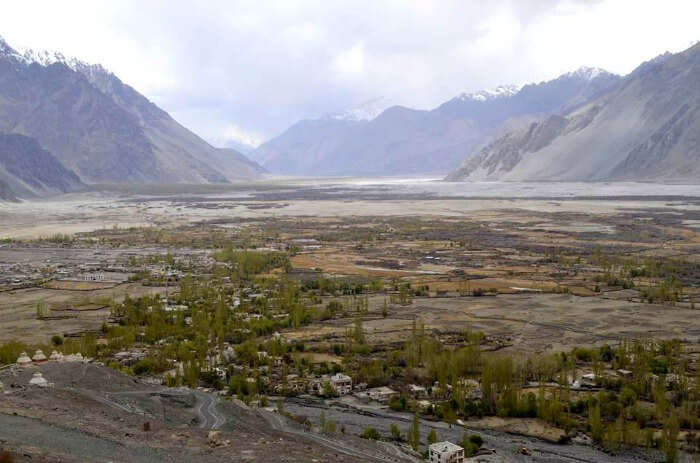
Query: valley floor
{"points": [[526, 272]]}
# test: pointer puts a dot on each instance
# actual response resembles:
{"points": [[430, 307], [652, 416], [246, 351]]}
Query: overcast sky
{"points": [[246, 70]]}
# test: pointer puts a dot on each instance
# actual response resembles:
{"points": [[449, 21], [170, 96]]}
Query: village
{"points": [[290, 324]]}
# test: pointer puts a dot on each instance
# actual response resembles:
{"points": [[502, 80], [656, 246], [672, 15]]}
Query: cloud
{"points": [[350, 62], [247, 69], [231, 133]]}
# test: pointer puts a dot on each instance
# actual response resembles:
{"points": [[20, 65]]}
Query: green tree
{"points": [[432, 437], [331, 427], [670, 438], [280, 406], [413, 433], [594, 421], [358, 334]]}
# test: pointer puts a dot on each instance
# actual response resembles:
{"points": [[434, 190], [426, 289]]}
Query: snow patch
{"points": [[502, 91], [586, 73], [364, 112], [47, 58]]}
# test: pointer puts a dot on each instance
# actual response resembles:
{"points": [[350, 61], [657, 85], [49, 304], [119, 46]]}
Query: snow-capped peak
{"points": [[47, 58], [7, 50], [502, 91], [364, 112], [586, 73], [4, 46]]}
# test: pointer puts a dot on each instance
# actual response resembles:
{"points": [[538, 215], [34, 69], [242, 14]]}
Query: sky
{"points": [[240, 71]]}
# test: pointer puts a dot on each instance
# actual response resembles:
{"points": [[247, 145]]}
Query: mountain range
{"points": [[404, 141], [646, 127], [65, 124], [101, 129]]}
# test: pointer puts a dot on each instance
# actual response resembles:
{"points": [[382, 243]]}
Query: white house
{"points": [[445, 452], [380, 394], [417, 391], [585, 381], [94, 276], [341, 383]]}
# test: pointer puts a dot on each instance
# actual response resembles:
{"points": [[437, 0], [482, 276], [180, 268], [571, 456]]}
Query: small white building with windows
{"points": [[445, 452], [417, 391], [341, 383], [94, 276], [381, 394]]}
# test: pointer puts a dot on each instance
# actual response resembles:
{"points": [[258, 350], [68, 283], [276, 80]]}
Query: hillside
{"points": [[27, 170], [647, 128], [401, 140], [101, 128]]}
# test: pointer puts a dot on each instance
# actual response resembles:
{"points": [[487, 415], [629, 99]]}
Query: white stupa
{"points": [[39, 356], [38, 380], [74, 357], [23, 360], [56, 356]]}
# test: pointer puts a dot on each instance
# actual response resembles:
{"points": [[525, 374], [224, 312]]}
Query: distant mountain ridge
{"points": [[645, 128], [404, 141], [102, 129]]}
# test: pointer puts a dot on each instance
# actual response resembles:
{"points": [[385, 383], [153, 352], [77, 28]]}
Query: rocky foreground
{"points": [[90, 413]]}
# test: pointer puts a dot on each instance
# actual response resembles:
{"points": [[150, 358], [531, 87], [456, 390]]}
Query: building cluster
{"points": [[98, 265], [593, 381], [19, 273]]}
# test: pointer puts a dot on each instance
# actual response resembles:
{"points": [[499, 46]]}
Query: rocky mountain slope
{"points": [[645, 128], [26, 170], [100, 127], [401, 140]]}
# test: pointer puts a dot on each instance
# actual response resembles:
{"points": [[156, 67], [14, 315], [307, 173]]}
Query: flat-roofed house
{"points": [[445, 452], [341, 383]]}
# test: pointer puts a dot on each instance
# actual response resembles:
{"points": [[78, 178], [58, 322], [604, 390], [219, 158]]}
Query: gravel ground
{"points": [[81, 446], [95, 414]]}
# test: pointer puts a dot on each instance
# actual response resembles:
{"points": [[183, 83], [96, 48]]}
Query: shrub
{"points": [[476, 439], [10, 351], [370, 433], [470, 448], [396, 433], [583, 355]]}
